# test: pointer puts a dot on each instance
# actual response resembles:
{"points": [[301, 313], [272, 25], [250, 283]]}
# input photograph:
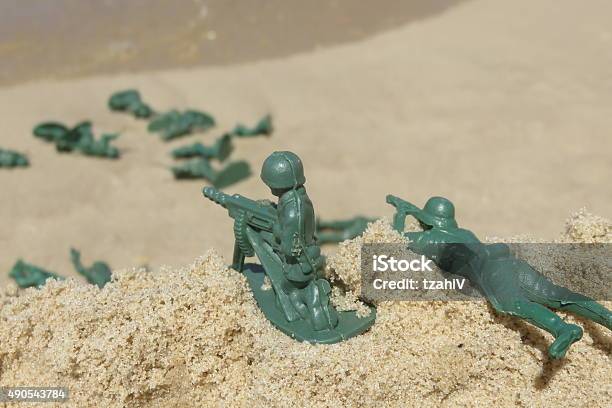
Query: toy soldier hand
{"points": [[401, 211]]}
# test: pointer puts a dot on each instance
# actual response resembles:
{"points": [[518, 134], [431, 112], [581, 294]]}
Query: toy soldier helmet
{"points": [[438, 212], [283, 170]]}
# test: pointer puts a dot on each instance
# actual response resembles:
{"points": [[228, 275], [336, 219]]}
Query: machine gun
{"points": [[258, 215]]}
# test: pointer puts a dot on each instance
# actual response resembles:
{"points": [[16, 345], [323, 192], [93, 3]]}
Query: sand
{"points": [[194, 337], [503, 107]]}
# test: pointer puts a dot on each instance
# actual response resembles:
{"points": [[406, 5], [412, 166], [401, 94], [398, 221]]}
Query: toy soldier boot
{"points": [[323, 314], [560, 298], [565, 333], [313, 304]]}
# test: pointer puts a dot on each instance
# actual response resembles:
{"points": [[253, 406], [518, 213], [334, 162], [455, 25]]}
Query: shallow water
{"points": [[67, 38]]}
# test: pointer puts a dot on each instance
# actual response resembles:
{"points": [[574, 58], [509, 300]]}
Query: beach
{"points": [[501, 107]]}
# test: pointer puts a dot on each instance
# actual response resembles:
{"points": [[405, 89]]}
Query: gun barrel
{"points": [[393, 199], [215, 195], [401, 204]]}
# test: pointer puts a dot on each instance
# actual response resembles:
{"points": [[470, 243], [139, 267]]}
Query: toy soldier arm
{"points": [[246, 213], [289, 231], [403, 208]]}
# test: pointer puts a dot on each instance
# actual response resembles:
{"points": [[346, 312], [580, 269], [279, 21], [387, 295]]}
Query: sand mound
{"points": [[194, 337], [583, 226]]}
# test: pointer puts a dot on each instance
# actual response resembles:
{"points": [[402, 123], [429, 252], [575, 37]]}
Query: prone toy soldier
{"points": [[510, 284]]}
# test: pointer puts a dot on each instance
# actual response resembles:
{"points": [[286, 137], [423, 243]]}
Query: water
{"points": [[67, 38]]}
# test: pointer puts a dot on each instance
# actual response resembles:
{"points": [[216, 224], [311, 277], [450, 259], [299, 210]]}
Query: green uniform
{"points": [[293, 258], [288, 285], [295, 235], [510, 284]]}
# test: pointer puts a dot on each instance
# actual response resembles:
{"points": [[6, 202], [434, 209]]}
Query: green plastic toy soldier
{"points": [[263, 127], [337, 231], [98, 274], [80, 138], [10, 159], [130, 101], [220, 150], [282, 237], [299, 255], [510, 284], [88, 145], [50, 131], [101, 147], [175, 124], [201, 168], [27, 275]]}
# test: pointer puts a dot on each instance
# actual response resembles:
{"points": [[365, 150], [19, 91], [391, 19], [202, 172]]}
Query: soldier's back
{"points": [[297, 211]]}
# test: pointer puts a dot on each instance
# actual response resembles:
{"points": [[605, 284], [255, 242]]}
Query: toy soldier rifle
{"points": [[403, 208], [247, 213]]}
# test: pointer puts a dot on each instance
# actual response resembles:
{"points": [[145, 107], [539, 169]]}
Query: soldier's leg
{"points": [[558, 297], [330, 311], [316, 297], [274, 270], [297, 300], [565, 334]]}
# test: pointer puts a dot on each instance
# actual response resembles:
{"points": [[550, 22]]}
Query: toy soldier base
{"points": [[349, 324], [295, 296]]}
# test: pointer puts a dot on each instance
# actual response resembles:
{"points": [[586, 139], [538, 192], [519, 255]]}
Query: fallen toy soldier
{"points": [[10, 159], [510, 284], [80, 138], [341, 230]]}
